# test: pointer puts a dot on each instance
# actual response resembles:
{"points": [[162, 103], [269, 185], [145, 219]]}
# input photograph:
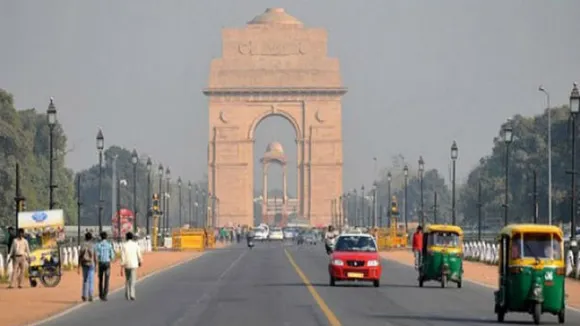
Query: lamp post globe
{"points": [[389, 176], [100, 140], [575, 100], [454, 151], [134, 157], [51, 113]]}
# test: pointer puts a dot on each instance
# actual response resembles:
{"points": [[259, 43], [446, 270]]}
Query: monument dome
{"points": [[275, 147], [275, 16]]}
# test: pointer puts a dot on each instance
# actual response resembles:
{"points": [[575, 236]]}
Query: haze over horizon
{"points": [[420, 74]]}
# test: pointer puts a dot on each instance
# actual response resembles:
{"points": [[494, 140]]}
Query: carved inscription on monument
{"points": [[274, 48]]}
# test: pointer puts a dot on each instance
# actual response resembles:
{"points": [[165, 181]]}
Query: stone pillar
{"points": [[284, 184], [265, 193]]}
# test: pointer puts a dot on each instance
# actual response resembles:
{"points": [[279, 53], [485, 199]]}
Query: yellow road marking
{"points": [[332, 319]]}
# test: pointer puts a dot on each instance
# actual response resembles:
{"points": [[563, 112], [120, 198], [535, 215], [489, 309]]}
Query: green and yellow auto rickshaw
{"points": [[532, 271], [442, 256]]}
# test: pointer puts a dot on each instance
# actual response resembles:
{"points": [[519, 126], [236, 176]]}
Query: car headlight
{"points": [[537, 291], [337, 262], [373, 263]]}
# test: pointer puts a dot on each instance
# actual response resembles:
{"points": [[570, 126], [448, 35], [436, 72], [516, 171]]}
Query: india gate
{"points": [[275, 66]]}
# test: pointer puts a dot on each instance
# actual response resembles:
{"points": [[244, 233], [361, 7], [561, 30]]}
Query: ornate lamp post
{"points": [[51, 119], [362, 205], [375, 213], [134, 161], [389, 180], [454, 156], [406, 173], [574, 109], [421, 170], [189, 216], [507, 138], [100, 147], [147, 223], [160, 171], [179, 184], [168, 197]]}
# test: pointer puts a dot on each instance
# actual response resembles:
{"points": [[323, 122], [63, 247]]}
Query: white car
{"points": [[260, 234], [289, 233], [276, 234]]}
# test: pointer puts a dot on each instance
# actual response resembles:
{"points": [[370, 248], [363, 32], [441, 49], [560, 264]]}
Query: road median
{"points": [[27, 305], [483, 274]]}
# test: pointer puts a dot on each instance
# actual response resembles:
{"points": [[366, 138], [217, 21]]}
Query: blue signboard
{"points": [[39, 217]]}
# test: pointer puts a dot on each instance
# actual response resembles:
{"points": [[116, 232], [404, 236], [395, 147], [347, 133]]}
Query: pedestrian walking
{"points": [[418, 245], [105, 256], [131, 260], [20, 256], [87, 262]]}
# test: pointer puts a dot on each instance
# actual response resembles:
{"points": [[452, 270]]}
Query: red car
{"points": [[355, 258]]}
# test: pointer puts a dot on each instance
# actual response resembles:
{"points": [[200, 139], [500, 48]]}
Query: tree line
{"points": [[24, 139]]}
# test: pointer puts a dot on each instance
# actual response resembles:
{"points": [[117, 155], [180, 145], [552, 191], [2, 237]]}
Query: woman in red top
{"points": [[418, 245]]}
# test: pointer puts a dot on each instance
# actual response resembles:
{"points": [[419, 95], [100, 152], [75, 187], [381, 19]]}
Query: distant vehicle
{"points": [[276, 234], [355, 258], [310, 238], [289, 233], [260, 234]]}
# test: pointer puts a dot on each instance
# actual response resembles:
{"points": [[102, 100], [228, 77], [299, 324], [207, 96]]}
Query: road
{"points": [[238, 286]]}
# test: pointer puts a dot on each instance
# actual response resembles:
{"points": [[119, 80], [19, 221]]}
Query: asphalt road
{"points": [[238, 286]]}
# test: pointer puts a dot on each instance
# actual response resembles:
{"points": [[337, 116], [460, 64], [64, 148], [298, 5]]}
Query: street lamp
{"points": [[168, 197], [375, 217], [454, 156], [421, 170], [179, 184], [507, 138], [134, 161], [389, 198], [197, 219], [162, 196], [355, 216], [100, 147], [574, 109], [549, 112], [362, 205], [51, 119], [148, 165], [189, 216], [406, 173]]}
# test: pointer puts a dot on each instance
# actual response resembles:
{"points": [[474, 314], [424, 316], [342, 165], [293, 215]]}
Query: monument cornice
{"points": [[275, 91]]}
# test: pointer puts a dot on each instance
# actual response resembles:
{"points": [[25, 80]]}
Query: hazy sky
{"points": [[420, 73]]}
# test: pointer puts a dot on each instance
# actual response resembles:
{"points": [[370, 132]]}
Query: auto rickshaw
{"points": [[44, 230], [442, 255], [532, 271]]}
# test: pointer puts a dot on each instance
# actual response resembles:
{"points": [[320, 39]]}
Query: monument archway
{"points": [[274, 66]]}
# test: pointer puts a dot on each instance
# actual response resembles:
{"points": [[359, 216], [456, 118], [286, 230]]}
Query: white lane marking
{"points": [[139, 280], [208, 293], [469, 281]]}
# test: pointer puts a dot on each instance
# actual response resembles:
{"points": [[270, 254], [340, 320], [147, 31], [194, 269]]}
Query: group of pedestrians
{"points": [[98, 257]]}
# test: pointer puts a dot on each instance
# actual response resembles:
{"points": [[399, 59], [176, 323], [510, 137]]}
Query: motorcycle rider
{"points": [[250, 237], [329, 238]]}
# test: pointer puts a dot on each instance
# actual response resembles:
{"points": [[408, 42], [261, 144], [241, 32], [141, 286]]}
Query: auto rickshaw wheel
{"points": [[459, 284], [443, 281], [33, 283], [537, 313], [562, 316], [500, 316]]}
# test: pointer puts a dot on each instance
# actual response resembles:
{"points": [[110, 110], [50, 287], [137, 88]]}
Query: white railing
{"points": [[69, 255], [488, 253]]}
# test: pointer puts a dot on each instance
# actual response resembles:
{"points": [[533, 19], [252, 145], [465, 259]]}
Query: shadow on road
{"points": [[292, 284], [454, 320]]}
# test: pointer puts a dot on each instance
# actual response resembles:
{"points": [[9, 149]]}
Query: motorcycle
{"points": [[250, 242]]}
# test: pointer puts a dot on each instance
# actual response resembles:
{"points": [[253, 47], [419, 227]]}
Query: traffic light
{"points": [[155, 207], [394, 207]]}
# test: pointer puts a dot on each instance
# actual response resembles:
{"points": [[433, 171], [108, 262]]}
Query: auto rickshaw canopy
{"points": [[443, 228], [513, 229]]}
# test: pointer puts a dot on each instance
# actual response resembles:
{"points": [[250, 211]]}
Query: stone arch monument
{"points": [[275, 66]]}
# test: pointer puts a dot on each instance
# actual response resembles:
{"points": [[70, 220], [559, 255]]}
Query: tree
{"points": [[432, 183], [124, 170], [24, 139], [527, 152]]}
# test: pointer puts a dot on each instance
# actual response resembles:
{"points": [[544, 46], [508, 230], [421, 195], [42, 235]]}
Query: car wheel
{"points": [[332, 281], [376, 283]]}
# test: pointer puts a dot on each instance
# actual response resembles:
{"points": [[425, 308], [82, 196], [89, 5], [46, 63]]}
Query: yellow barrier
{"points": [[387, 240], [188, 239]]}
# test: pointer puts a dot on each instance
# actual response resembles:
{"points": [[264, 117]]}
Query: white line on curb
{"points": [[80, 305], [469, 281]]}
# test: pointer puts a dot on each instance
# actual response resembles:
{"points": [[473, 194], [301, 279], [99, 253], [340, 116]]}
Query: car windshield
{"points": [[543, 246], [445, 239], [355, 243], [276, 230]]}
